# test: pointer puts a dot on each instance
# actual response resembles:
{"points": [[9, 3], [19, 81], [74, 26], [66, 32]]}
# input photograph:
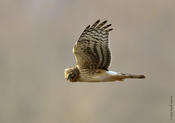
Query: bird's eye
{"points": [[71, 76]]}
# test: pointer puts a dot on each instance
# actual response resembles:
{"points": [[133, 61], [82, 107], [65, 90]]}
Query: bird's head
{"points": [[71, 74]]}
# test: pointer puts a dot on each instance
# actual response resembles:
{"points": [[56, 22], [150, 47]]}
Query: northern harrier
{"points": [[93, 57]]}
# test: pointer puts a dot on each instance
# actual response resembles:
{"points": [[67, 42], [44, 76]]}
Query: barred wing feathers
{"points": [[91, 50]]}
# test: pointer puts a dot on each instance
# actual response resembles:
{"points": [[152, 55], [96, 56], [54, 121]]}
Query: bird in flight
{"points": [[93, 57]]}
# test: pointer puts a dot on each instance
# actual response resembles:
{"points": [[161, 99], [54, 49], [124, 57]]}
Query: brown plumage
{"points": [[93, 57]]}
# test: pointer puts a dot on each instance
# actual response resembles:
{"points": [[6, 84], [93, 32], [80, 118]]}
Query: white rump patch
{"points": [[112, 73]]}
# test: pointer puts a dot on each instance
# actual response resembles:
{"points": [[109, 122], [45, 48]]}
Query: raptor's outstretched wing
{"points": [[91, 50]]}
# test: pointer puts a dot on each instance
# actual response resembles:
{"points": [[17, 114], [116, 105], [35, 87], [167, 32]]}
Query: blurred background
{"points": [[36, 41]]}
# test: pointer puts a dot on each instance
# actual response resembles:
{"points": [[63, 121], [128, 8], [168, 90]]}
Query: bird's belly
{"points": [[101, 76], [105, 76]]}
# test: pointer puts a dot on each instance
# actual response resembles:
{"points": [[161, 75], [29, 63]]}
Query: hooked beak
{"points": [[68, 77]]}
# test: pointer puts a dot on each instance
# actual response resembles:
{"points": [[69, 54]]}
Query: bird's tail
{"points": [[122, 76]]}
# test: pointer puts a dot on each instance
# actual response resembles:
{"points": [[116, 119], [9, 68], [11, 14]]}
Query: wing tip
{"points": [[109, 30]]}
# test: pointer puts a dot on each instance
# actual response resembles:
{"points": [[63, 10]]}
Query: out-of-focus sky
{"points": [[36, 41]]}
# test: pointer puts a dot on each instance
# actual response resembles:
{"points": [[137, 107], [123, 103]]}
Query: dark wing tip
{"points": [[101, 24], [95, 24], [88, 26], [105, 27], [105, 21], [97, 21], [86, 29], [109, 30]]}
